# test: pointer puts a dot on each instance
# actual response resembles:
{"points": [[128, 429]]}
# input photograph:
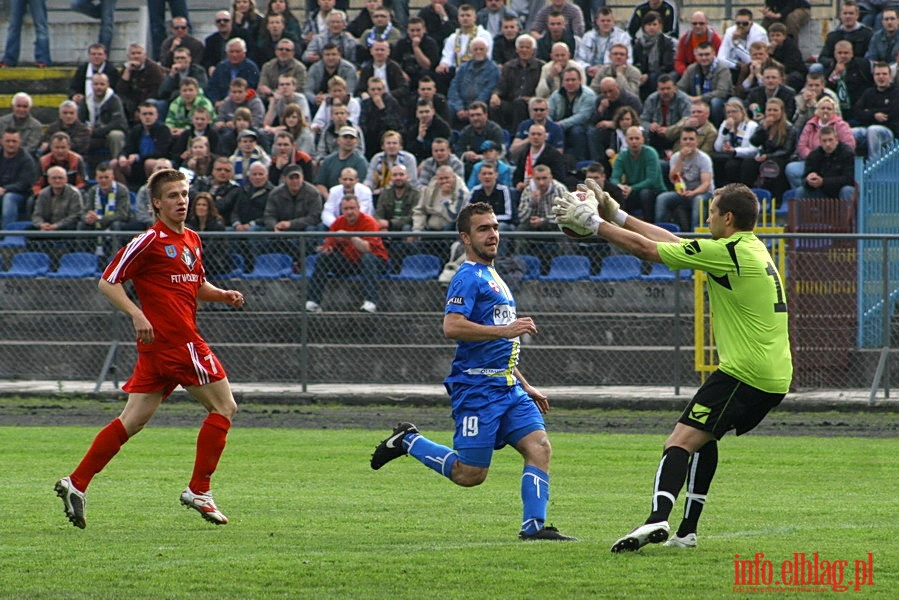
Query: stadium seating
{"points": [[568, 267], [271, 266], [76, 264], [619, 267], [238, 266], [419, 267], [28, 264], [534, 267], [15, 241], [672, 227], [661, 272]]}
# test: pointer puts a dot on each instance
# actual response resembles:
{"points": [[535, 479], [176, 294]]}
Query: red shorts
{"points": [[188, 365]]}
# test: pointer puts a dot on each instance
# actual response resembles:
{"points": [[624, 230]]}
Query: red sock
{"points": [[104, 447], [210, 445]]}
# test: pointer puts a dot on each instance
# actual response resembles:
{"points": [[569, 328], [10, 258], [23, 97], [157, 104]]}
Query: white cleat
{"points": [[688, 541], [203, 504], [651, 533]]}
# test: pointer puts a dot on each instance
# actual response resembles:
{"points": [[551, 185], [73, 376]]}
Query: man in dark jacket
{"points": [[18, 172], [144, 142], [877, 111], [517, 85], [829, 169], [295, 205], [104, 113], [139, 82]]}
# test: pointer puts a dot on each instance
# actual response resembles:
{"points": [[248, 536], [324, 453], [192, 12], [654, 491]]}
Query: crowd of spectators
{"points": [[279, 119]]}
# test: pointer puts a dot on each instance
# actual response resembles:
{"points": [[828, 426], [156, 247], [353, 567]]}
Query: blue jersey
{"points": [[479, 294]]}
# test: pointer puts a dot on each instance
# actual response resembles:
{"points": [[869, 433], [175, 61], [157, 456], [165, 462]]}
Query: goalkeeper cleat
{"points": [[550, 534], [73, 501], [687, 541], [392, 447], [203, 504], [650, 533]]}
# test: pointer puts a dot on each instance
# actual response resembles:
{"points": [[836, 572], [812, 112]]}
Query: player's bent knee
{"points": [[468, 476]]}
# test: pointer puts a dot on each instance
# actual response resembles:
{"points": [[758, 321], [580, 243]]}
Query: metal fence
{"points": [[603, 319]]}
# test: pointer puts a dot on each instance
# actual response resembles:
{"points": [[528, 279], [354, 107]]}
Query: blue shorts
{"points": [[489, 417]]}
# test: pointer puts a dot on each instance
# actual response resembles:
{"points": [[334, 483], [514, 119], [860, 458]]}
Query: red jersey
{"points": [[364, 223], [167, 272]]}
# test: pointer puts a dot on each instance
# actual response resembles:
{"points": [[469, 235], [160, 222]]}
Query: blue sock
{"points": [[534, 498], [430, 454]]}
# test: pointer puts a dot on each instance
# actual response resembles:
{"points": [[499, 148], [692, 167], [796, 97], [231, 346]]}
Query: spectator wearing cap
{"points": [[248, 151], [345, 156], [490, 150], [295, 205]]}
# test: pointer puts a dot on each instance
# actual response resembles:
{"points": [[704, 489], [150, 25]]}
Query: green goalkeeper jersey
{"points": [[748, 306]]}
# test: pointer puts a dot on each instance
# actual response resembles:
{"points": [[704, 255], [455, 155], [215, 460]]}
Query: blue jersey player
{"points": [[493, 405]]}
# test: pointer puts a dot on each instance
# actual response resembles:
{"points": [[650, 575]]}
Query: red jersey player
{"points": [[165, 265]]}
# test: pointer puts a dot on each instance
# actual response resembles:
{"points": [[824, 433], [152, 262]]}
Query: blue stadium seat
{"points": [[661, 272], [419, 267], [15, 241], [784, 207], [568, 267], [238, 266], [672, 227], [76, 264], [534, 267], [507, 139], [28, 264], [310, 267], [271, 266], [619, 267]]}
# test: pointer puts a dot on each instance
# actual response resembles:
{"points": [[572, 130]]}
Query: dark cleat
{"points": [[392, 447], [549, 534]]}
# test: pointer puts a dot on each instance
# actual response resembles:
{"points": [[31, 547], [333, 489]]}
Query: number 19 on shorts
{"points": [[470, 426]]}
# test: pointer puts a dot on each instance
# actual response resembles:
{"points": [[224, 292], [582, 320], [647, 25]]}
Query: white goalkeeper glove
{"points": [[579, 215], [608, 209]]}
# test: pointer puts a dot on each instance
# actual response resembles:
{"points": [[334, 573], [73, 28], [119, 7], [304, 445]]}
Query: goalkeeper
{"points": [[747, 302]]}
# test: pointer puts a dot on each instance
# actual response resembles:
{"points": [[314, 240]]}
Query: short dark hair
{"points": [[826, 130], [477, 105], [463, 221], [741, 202], [664, 78], [650, 17]]}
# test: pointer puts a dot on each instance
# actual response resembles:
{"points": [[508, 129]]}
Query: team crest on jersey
{"points": [[188, 258], [495, 287], [171, 251]]}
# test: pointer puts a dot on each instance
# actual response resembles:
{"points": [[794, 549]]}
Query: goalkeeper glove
{"points": [[609, 209], [580, 215]]}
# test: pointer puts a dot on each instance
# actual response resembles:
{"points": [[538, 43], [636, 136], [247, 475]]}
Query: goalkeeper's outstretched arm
{"points": [[609, 210]]}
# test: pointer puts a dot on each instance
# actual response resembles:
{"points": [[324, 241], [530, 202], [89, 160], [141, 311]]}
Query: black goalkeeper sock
{"points": [[699, 480], [668, 483]]}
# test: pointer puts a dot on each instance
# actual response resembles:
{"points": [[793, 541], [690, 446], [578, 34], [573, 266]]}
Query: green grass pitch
{"points": [[310, 519]]}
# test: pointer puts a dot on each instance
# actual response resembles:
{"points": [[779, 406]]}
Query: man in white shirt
{"points": [[349, 185]]}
